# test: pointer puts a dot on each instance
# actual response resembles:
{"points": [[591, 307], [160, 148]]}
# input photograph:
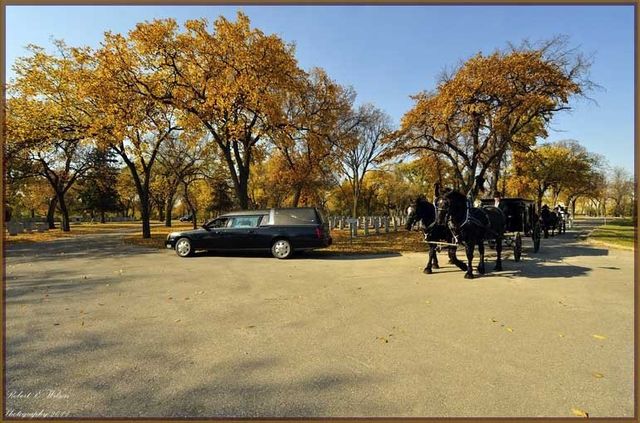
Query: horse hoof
{"points": [[463, 267], [481, 270], [436, 266], [468, 276], [498, 269], [427, 271]]}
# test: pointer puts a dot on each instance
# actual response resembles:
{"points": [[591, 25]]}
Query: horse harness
{"points": [[456, 230]]}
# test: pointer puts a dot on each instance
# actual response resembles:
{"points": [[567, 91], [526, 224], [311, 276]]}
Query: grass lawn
{"points": [[85, 228], [618, 234], [393, 242]]}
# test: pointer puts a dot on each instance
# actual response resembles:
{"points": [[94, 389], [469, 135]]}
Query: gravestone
{"points": [[14, 228]]}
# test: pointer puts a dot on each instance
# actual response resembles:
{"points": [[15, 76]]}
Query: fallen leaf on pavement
{"points": [[599, 337], [579, 413], [597, 375], [177, 320], [510, 330], [82, 324]]}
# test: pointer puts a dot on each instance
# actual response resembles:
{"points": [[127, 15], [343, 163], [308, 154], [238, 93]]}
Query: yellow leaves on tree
{"points": [[490, 104]]}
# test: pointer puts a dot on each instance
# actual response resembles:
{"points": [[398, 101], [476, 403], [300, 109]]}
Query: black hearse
{"points": [[281, 231]]}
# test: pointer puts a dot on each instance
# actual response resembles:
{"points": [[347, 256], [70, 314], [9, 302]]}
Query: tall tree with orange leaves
{"points": [[479, 112]]}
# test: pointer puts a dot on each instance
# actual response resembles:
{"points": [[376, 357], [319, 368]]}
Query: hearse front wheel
{"points": [[281, 249], [184, 247]]}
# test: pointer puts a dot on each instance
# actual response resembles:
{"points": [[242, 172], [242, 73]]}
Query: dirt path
{"points": [[100, 328]]}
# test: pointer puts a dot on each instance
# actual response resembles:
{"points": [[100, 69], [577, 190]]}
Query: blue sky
{"points": [[388, 53]]}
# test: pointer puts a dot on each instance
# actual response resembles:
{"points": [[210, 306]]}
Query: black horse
{"points": [[470, 226], [426, 213], [548, 220]]}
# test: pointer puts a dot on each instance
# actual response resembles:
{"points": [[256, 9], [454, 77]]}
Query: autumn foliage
{"points": [[208, 116]]}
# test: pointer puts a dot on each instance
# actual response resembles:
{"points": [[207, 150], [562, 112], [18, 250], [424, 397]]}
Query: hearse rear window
{"points": [[295, 217]]}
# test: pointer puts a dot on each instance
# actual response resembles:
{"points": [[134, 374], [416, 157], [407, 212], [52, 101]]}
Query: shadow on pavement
{"points": [[83, 246], [546, 263], [300, 255], [151, 376]]}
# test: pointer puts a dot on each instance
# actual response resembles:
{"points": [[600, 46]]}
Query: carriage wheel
{"points": [[535, 236], [517, 247]]}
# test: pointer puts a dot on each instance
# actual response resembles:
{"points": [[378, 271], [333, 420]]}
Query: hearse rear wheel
{"points": [[281, 249]]}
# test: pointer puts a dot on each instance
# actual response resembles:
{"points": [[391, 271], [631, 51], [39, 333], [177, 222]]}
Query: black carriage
{"points": [[521, 220]]}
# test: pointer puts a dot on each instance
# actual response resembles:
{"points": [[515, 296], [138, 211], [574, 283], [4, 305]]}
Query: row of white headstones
{"points": [[365, 223]]}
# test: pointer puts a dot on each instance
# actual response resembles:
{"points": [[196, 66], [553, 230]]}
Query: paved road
{"points": [[98, 328]]}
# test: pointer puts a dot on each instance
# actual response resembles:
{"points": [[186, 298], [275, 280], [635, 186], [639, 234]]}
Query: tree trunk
{"points": [[573, 207], [356, 197], [495, 176], [102, 217], [161, 207], [33, 213], [66, 227], [539, 201], [51, 212], [145, 215], [192, 209], [168, 212], [296, 196], [243, 190]]}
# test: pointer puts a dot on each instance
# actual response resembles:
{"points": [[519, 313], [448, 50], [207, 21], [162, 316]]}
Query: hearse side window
{"points": [[295, 217], [218, 223], [244, 222]]}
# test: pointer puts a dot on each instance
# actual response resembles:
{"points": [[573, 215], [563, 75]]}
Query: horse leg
{"points": [[546, 232], [427, 269], [481, 269], [498, 267], [470, 248], [453, 259], [434, 259]]}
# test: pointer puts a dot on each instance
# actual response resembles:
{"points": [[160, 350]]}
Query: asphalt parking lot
{"points": [[95, 327]]}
